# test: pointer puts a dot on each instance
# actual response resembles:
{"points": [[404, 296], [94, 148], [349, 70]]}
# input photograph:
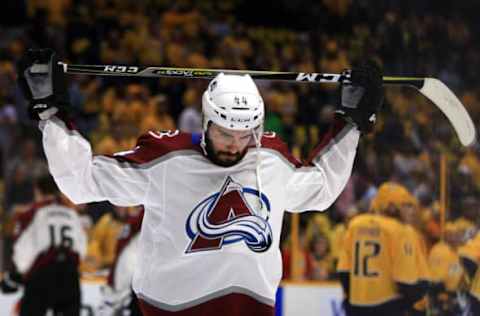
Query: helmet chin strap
{"points": [[258, 144], [203, 144]]}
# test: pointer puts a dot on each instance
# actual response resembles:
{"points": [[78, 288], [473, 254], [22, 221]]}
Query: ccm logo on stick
{"points": [[317, 77], [123, 69]]}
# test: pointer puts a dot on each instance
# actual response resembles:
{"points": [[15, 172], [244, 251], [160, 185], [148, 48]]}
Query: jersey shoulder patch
{"points": [[270, 140], [155, 144]]}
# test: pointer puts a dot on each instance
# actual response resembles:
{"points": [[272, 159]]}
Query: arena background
{"points": [[414, 38]]}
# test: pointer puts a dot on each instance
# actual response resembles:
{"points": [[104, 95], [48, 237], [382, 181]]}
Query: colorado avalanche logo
{"points": [[226, 217]]}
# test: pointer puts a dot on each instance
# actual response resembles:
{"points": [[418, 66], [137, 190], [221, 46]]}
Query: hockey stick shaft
{"points": [[432, 88], [171, 72]]}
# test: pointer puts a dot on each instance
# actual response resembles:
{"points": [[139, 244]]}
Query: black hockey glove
{"points": [[361, 100], [10, 282], [42, 81]]}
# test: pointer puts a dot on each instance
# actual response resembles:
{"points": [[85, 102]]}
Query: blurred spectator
{"points": [[8, 130], [190, 120], [273, 120], [338, 233], [158, 117], [318, 223], [19, 192], [346, 200], [102, 245], [302, 263], [323, 263], [470, 163], [28, 158]]}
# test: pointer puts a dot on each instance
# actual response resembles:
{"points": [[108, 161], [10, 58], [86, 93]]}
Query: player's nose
{"points": [[233, 147]]}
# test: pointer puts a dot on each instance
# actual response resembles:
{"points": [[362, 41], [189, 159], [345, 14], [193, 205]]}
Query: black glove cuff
{"points": [[354, 117]]}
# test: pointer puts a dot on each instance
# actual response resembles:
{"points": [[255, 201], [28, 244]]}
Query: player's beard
{"points": [[223, 158]]}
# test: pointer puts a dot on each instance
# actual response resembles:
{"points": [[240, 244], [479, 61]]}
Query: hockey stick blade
{"points": [[450, 105], [445, 100], [435, 90]]}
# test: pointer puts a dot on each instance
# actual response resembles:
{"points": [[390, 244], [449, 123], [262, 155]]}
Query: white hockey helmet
{"points": [[233, 102]]}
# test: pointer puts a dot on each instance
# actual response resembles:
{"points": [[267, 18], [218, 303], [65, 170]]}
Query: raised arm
{"points": [[317, 185], [87, 178], [79, 175]]}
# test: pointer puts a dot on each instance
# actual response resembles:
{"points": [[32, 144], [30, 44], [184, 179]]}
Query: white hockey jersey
{"points": [[42, 232], [204, 233]]}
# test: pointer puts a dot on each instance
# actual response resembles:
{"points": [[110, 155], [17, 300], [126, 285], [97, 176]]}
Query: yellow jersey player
{"points": [[378, 266], [470, 259], [447, 272], [397, 201]]}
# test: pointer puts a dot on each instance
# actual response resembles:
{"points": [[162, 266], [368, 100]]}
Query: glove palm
{"points": [[361, 99], [42, 81]]}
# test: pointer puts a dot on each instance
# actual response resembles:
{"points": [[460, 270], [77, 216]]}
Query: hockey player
{"points": [[214, 202], [118, 297], [381, 264], [404, 206], [103, 240], [49, 241], [447, 272], [470, 258]]}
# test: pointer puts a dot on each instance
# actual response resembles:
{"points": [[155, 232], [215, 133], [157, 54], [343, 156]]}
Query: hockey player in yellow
{"points": [[103, 242], [396, 201], [447, 272], [401, 203], [470, 259], [380, 260]]}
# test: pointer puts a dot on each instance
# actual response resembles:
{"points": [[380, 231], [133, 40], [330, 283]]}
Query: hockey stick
{"points": [[432, 88]]}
